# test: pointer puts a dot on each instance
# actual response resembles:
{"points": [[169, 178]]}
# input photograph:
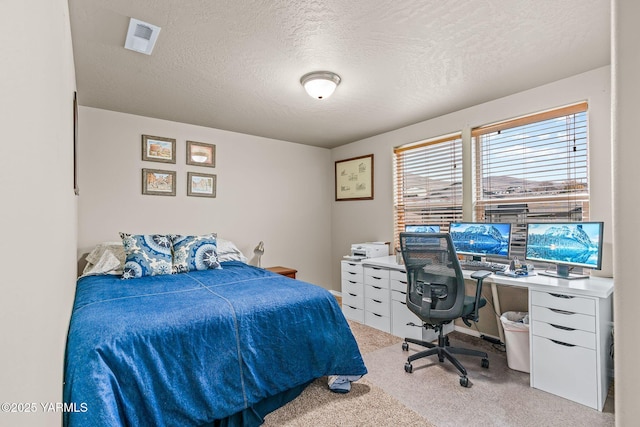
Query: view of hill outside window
{"points": [[533, 169], [529, 169], [428, 179]]}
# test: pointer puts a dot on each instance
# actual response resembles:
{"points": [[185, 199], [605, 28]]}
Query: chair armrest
{"points": [[480, 274]]}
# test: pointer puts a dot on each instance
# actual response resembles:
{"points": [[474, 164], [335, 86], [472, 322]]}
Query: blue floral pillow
{"points": [[146, 255], [194, 253]]}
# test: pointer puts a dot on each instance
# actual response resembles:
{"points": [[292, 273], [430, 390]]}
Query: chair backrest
{"points": [[435, 284]]}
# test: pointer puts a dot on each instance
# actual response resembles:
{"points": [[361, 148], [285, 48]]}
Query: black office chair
{"points": [[436, 294]]}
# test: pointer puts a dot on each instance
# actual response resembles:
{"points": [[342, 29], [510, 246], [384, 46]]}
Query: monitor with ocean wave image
{"points": [[567, 245], [481, 239]]}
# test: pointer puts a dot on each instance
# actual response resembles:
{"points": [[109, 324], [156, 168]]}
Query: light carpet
{"points": [[432, 395]]}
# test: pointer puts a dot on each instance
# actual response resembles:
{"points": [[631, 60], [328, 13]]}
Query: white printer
{"points": [[368, 250]]}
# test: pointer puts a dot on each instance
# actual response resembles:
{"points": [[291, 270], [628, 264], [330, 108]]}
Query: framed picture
{"points": [[354, 178], [201, 184], [158, 149], [201, 154], [158, 182]]}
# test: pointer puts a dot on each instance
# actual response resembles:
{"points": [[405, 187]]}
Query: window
{"points": [[532, 169], [428, 183]]}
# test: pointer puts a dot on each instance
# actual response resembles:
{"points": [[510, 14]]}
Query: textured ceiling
{"points": [[236, 65]]}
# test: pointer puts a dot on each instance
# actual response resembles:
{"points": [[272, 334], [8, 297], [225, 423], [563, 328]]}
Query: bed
{"points": [[214, 347]]}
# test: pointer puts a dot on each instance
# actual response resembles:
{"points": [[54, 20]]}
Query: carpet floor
{"points": [[432, 395]]}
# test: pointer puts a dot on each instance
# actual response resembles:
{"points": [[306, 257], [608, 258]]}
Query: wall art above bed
{"points": [[158, 149], [201, 184], [158, 182], [201, 154]]}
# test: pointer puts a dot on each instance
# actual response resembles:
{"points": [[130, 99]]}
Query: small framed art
{"points": [[201, 184], [354, 178], [158, 149], [158, 182], [201, 154]]}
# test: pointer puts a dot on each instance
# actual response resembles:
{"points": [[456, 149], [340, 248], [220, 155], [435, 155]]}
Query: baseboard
{"points": [[335, 293]]}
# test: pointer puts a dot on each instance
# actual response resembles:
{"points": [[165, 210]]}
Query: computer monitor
{"points": [[567, 245], [422, 228], [481, 239]]}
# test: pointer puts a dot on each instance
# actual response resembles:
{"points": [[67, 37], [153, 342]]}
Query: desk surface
{"points": [[600, 287]]}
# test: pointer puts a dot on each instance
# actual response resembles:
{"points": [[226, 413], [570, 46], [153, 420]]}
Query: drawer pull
{"points": [[353, 295], [564, 328], [376, 287], [563, 343], [351, 272], [555, 310], [378, 315], [352, 265], [561, 296], [350, 306], [404, 283], [376, 268], [375, 300], [351, 281], [377, 278]]}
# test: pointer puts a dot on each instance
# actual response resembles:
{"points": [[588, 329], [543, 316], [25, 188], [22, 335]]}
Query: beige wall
{"points": [[360, 221], [38, 214], [268, 190], [626, 203]]}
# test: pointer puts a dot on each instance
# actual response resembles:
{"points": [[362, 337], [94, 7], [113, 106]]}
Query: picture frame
{"points": [[201, 184], [201, 154], [158, 182], [354, 178], [158, 149]]}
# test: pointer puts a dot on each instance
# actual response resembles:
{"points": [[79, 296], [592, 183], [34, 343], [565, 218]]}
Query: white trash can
{"points": [[516, 336]]}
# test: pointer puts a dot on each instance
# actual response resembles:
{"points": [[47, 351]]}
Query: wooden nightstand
{"points": [[285, 271]]}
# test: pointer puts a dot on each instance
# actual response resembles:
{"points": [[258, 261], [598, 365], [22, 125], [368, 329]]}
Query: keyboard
{"points": [[483, 265]]}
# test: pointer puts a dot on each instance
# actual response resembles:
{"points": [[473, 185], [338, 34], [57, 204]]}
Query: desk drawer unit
{"points": [[400, 314], [375, 276], [353, 294], [352, 291], [377, 308], [564, 346], [377, 300]]}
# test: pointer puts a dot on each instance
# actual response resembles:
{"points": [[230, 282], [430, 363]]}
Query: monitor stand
{"points": [[563, 272]]}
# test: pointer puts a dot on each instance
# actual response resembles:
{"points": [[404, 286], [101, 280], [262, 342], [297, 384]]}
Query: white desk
{"points": [[570, 331]]}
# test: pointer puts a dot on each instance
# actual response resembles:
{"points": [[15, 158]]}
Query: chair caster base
{"points": [[408, 367], [464, 382]]}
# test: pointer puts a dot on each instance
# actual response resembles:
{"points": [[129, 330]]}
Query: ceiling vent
{"points": [[141, 36]]}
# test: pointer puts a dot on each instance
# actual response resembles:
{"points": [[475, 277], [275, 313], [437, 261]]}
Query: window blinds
{"points": [[533, 169], [428, 180]]}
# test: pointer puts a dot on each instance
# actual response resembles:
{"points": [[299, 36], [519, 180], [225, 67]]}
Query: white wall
{"points": [[268, 190], [38, 214], [626, 203], [358, 221]]}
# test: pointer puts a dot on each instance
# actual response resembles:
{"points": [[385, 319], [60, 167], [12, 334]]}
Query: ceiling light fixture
{"points": [[320, 84]]}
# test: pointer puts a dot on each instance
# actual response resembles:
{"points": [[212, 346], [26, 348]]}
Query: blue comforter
{"points": [[190, 348]]}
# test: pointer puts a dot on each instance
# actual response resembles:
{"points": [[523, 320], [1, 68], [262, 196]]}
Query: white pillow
{"points": [[228, 251]]}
